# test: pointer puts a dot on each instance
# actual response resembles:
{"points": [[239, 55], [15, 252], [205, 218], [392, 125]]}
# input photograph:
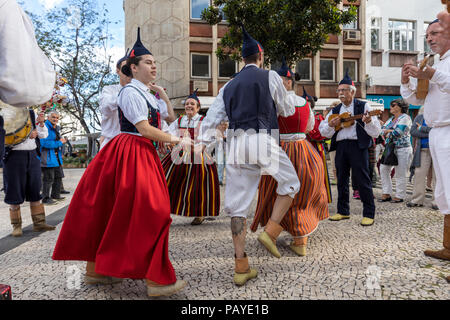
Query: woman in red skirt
{"points": [[193, 187], [310, 205], [118, 220]]}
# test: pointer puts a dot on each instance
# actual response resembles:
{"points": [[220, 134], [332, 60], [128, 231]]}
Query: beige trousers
{"points": [[420, 177]]}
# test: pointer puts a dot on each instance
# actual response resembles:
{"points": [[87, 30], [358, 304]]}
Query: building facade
{"points": [[395, 34], [184, 47]]}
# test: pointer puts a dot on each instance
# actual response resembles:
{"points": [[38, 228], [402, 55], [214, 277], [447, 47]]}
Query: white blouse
{"points": [[184, 123], [134, 106], [27, 76]]}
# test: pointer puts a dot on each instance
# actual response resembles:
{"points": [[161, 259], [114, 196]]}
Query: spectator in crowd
{"points": [[421, 162], [51, 160], [397, 129]]}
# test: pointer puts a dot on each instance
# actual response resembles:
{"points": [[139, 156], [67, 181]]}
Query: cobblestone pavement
{"points": [[344, 260]]}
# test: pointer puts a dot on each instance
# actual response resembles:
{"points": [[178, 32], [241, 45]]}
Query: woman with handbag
{"points": [[398, 147]]}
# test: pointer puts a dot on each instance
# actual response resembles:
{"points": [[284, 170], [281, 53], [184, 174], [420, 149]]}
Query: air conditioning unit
{"points": [[352, 35]]}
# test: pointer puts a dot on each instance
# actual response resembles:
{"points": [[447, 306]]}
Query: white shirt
{"points": [[216, 113], [108, 108], [134, 106], [298, 101], [27, 76], [437, 103], [373, 128], [184, 123], [30, 144]]}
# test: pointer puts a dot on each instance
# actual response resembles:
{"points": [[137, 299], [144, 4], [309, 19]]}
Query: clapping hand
{"points": [[40, 119]]}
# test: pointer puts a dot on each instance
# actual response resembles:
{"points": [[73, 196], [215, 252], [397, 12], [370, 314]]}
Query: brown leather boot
{"points": [[443, 254], [269, 236], [91, 277], [16, 222], [298, 245], [38, 217], [242, 271]]}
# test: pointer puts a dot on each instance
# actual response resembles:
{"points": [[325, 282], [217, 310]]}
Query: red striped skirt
{"points": [[119, 215], [193, 188], [310, 205]]}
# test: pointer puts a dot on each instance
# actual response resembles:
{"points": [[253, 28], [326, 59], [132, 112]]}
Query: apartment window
{"points": [[352, 67], [327, 69], [353, 24], [401, 35], [200, 65], [224, 17], [426, 47], [227, 68], [197, 6], [303, 68], [375, 33]]}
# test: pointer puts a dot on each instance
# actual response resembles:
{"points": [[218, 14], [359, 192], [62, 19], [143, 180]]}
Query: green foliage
{"points": [[75, 38], [285, 28]]}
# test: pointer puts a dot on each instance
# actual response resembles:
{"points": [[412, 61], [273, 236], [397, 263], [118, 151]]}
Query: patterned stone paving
{"points": [[345, 261]]}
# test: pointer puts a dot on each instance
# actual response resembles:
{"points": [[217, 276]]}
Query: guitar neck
{"points": [[358, 116]]}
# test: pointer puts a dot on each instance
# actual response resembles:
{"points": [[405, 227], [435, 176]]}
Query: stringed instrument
{"points": [[423, 84], [347, 120]]}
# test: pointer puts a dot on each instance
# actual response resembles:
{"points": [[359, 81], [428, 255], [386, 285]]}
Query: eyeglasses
{"points": [[342, 90]]}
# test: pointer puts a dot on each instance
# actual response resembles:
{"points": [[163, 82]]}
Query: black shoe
{"points": [[385, 200], [64, 192], [48, 201], [59, 198], [412, 204]]}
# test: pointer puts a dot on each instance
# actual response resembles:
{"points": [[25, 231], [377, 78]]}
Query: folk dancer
{"points": [[437, 115], [193, 185], [310, 205], [22, 179], [27, 77], [119, 217], [251, 102], [108, 104], [351, 145], [318, 141]]}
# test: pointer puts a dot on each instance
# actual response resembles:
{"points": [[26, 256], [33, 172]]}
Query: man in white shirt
{"points": [[108, 105], [352, 150], [27, 76], [251, 102], [437, 115], [22, 175]]}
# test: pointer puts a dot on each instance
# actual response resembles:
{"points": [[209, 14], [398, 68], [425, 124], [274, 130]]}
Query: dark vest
{"points": [[153, 115], [248, 102], [364, 140]]}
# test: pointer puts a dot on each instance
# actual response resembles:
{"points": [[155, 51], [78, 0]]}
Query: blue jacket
{"points": [[49, 147]]}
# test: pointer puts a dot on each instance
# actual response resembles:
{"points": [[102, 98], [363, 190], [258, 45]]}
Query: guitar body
{"points": [[345, 122]]}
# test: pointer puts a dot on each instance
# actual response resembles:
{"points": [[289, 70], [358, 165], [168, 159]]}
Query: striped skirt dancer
{"points": [[193, 188], [310, 204]]}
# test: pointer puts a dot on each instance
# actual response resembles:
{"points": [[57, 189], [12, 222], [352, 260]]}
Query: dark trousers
{"points": [[52, 179], [350, 156], [22, 177]]}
